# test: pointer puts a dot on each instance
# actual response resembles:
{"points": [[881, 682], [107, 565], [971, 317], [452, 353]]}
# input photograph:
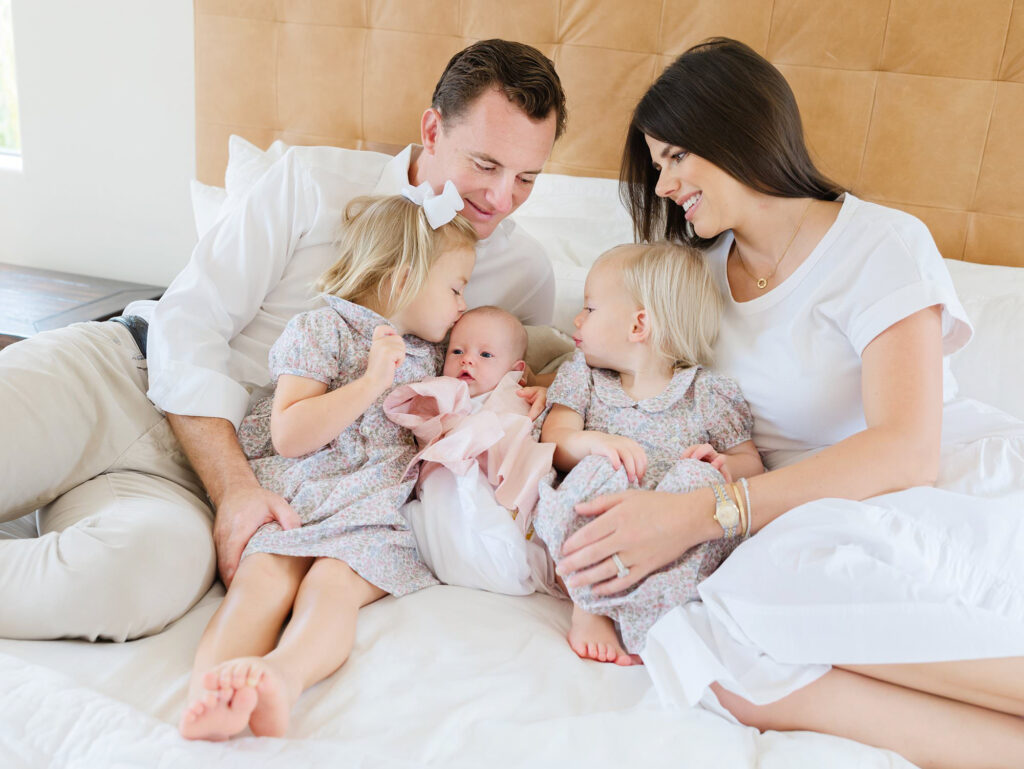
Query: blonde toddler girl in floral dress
{"points": [[636, 407], [322, 442]]}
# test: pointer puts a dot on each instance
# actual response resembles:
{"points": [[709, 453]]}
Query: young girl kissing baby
{"points": [[322, 442]]}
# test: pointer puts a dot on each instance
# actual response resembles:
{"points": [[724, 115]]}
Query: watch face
{"points": [[727, 513]]}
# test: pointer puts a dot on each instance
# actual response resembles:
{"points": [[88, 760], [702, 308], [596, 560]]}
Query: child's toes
{"points": [[211, 680], [253, 676], [245, 700], [194, 711], [239, 675]]}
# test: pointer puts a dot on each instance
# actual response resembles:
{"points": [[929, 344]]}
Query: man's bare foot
{"points": [[593, 637], [219, 714]]}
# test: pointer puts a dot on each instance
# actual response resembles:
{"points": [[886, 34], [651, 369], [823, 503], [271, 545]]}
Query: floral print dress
{"points": [[349, 493], [698, 406]]}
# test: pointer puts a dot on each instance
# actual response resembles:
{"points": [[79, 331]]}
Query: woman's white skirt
{"points": [[921, 575]]}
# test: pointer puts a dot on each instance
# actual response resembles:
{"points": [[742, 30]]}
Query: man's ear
{"points": [[430, 127], [641, 330], [520, 365]]}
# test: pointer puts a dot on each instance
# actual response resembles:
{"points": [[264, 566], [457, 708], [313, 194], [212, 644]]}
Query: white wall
{"points": [[107, 99]]}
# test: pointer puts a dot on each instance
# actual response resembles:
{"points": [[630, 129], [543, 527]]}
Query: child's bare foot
{"points": [[218, 714], [269, 716], [593, 637]]}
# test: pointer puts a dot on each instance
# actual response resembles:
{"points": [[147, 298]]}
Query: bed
{"points": [[905, 104]]}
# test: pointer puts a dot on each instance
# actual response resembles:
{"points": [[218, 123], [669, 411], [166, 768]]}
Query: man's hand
{"points": [[242, 510], [242, 505]]}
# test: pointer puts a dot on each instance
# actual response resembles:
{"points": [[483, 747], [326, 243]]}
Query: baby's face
{"points": [[480, 352]]}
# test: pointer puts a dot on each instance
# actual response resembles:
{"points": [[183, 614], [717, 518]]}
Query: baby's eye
{"points": [[457, 291], [586, 308], [455, 351], [486, 355]]}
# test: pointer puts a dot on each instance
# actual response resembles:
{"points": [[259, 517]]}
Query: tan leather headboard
{"points": [[914, 103]]}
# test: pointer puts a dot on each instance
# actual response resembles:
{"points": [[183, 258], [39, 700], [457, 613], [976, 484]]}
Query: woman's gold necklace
{"points": [[762, 283]]}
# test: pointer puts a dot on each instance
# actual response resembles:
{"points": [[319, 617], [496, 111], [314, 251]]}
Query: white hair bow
{"points": [[440, 209]]}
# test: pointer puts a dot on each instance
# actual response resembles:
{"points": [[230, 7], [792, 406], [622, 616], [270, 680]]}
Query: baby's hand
{"points": [[537, 397], [623, 452], [386, 354], [705, 452]]}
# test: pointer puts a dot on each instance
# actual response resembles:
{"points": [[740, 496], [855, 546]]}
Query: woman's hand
{"points": [[387, 351], [537, 397], [647, 529], [621, 452]]}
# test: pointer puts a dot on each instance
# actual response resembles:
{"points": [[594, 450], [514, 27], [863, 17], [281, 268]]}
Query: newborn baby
{"points": [[473, 511]]}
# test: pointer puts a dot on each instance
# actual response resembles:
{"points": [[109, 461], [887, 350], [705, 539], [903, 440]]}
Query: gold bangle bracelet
{"points": [[744, 519]]}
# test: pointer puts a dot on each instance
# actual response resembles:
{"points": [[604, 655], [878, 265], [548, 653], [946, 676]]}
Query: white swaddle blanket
{"points": [[480, 450]]}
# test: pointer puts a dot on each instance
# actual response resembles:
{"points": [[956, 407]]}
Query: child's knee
{"points": [[269, 577]]}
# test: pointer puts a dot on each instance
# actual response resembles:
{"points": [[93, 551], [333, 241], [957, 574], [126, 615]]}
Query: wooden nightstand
{"points": [[34, 300]]}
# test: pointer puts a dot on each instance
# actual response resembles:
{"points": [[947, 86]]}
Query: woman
{"points": [[842, 617]]}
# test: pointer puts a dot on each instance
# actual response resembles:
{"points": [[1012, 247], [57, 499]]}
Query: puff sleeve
{"points": [[572, 386], [726, 416]]}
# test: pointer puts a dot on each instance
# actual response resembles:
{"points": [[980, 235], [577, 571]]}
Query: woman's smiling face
{"points": [[706, 193]]}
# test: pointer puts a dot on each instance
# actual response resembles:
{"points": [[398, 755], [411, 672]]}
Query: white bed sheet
{"points": [[444, 677]]}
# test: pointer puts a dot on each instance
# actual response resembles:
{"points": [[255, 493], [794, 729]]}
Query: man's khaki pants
{"points": [[115, 541]]}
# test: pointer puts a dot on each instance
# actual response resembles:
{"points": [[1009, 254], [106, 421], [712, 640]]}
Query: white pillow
{"points": [[246, 164], [991, 367], [576, 219]]}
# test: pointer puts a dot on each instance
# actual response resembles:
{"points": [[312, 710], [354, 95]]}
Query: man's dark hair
{"points": [[521, 72]]}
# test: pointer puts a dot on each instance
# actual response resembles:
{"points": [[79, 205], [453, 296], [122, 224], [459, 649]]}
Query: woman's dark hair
{"points": [[521, 72], [725, 103]]}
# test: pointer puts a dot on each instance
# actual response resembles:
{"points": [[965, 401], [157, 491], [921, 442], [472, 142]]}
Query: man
{"points": [[124, 541]]}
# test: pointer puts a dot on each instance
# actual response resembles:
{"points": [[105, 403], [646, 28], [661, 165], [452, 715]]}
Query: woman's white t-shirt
{"points": [[796, 351]]}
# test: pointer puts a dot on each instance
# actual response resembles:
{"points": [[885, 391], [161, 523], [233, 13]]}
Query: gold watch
{"points": [[726, 512]]}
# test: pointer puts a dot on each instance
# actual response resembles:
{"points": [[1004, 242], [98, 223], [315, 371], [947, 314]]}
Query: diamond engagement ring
{"points": [[623, 569]]}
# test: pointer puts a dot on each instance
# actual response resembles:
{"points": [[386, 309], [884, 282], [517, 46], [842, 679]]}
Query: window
{"points": [[10, 138]]}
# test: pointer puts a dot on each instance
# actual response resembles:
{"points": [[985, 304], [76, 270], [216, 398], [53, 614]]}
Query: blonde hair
{"points": [[519, 339], [675, 287], [381, 238]]}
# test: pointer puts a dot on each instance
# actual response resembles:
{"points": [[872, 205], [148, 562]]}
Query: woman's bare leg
{"points": [[247, 622], [997, 684], [315, 643], [930, 731]]}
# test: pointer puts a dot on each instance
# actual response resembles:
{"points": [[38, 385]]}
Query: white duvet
{"points": [[444, 677]]}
